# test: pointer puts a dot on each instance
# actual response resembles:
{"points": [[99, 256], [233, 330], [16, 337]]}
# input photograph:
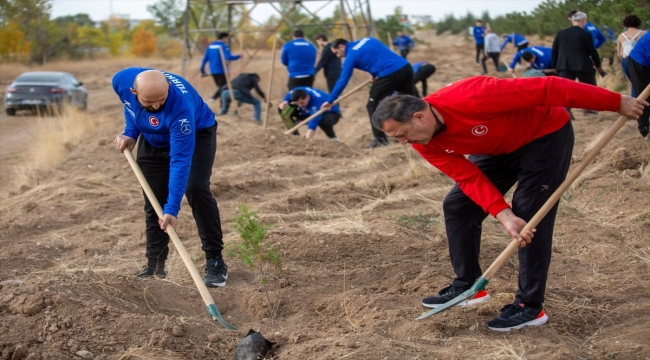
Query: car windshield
{"points": [[39, 77]]}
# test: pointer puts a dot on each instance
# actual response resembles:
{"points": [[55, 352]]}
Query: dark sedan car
{"points": [[44, 89]]}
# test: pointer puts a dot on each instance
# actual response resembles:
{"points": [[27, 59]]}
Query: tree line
{"points": [[29, 34], [550, 17]]}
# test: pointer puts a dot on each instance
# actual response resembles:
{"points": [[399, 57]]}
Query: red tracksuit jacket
{"points": [[490, 116]]}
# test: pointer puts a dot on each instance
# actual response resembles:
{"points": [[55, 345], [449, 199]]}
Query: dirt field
{"points": [[360, 233]]}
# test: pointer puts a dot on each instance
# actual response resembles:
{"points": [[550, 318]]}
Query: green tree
{"points": [[33, 17], [90, 40], [168, 14]]}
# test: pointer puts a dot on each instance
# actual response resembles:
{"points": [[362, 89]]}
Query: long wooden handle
{"points": [[557, 194], [225, 71], [205, 294], [317, 113], [270, 85]]}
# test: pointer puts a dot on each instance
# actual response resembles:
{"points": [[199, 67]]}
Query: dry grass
{"points": [[52, 138], [505, 349]]}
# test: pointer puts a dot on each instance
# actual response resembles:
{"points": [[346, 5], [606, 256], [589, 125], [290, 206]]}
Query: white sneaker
{"points": [[210, 100]]}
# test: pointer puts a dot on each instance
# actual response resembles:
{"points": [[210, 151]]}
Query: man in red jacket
{"points": [[516, 130]]}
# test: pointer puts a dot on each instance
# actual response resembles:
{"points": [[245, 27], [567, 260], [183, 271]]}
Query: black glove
{"points": [[602, 72]]}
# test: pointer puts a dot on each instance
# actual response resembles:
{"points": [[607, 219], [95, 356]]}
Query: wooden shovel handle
{"points": [[205, 294], [557, 194], [317, 113]]}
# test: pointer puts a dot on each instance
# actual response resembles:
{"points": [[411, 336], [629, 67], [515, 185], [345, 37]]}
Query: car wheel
{"points": [[84, 106], [10, 111]]}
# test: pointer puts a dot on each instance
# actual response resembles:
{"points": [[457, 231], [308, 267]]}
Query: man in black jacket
{"points": [[241, 87], [574, 55], [329, 62]]}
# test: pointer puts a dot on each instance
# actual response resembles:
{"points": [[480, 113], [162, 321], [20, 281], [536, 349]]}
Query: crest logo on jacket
{"points": [[153, 121], [479, 130]]}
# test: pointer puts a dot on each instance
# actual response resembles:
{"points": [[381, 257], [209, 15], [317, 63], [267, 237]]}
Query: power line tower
{"points": [[215, 16]]}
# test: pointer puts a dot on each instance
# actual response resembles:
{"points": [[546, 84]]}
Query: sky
{"points": [[137, 9]]}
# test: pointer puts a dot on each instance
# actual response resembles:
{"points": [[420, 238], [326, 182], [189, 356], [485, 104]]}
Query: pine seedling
{"points": [[254, 252]]}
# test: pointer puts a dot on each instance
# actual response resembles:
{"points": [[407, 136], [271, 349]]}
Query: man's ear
{"points": [[134, 92]]}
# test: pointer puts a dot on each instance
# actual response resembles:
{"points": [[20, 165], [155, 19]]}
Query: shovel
{"points": [[205, 294], [483, 280]]}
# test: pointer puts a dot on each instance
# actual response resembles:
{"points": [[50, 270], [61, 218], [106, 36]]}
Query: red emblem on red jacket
{"points": [[153, 121]]}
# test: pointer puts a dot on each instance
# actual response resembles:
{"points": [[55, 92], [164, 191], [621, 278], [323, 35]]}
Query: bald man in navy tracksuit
{"points": [[391, 73], [176, 151]]}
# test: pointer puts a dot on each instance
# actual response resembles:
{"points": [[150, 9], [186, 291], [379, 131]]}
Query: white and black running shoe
{"points": [[451, 292]]}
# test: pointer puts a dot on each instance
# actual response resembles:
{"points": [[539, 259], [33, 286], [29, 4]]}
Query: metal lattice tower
{"points": [[215, 16]]}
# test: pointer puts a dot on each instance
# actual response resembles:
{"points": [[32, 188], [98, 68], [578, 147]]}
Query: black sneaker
{"points": [[589, 112], [450, 292], [216, 273], [516, 316], [378, 142], [148, 272]]}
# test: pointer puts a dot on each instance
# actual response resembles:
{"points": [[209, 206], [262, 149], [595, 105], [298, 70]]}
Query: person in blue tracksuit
{"points": [[478, 32], [639, 66], [539, 57], [597, 36], [391, 73], [421, 72], [213, 56], [404, 43], [308, 100], [299, 56], [176, 151], [516, 40]]}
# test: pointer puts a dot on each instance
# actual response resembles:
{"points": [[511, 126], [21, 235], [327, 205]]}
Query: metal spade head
{"points": [[478, 286]]}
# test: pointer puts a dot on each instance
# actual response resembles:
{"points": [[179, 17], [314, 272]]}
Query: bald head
{"points": [[151, 87]]}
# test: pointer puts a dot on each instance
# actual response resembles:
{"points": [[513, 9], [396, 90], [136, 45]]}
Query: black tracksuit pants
{"points": [[220, 80], [539, 167], [400, 81], [154, 163], [640, 76], [331, 82], [479, 51], [303, 81], [422, 75]]}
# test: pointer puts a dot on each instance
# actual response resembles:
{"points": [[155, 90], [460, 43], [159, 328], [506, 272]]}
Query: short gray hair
{"points": [[579, 16], [397, 107]]}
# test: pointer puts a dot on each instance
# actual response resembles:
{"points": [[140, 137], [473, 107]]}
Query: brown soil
{"points": [[360, 233]]}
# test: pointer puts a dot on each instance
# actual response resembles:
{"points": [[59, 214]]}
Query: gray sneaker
{"points": [[216, 273]]}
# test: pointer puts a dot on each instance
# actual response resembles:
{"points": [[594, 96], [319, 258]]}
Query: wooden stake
{"points": [[390, 41], [226, 72], [317, 113], [241, 47], [269, 86]]}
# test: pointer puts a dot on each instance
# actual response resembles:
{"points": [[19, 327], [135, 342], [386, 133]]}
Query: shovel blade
{"points": [[468, 294], [214, 312]]}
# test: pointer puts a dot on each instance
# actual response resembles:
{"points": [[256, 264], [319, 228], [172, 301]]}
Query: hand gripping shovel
{"points": [[205, 294], [482, 281], [317, 113]]}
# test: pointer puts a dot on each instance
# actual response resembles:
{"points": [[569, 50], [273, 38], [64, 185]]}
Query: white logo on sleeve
{"points": [[479, 130], [186, 128]]}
